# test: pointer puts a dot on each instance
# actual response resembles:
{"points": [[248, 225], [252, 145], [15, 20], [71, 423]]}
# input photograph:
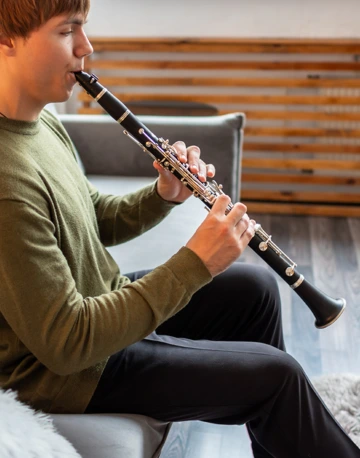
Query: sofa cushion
{"points": [[157, 245], [112, 435]]}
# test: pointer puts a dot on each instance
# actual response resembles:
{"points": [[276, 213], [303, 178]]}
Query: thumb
{"points": [[165, 175], [160, 168]]}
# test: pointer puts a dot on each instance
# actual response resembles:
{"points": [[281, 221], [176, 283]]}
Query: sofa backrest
{"points": [[104, 150]]}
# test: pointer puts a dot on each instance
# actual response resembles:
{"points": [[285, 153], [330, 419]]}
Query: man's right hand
{"points": [[221, 238]]}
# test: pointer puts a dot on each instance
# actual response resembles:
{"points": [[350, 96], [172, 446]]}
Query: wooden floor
{"points": [[327, 251]]}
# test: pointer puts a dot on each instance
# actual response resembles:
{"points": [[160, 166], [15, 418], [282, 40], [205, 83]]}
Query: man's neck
{"points": [[19, 113], [16, 105]]}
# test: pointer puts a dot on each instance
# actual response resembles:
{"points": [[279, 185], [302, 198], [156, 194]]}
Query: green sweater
{"points": [[64, 306]]}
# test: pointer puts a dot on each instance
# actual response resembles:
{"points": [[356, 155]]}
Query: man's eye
{"points": [[67, 33]]}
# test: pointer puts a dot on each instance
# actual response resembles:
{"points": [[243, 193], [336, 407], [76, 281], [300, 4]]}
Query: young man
{"points": [[76, 335]]}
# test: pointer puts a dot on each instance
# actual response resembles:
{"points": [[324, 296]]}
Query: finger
{"points": [[158, 166], [221, 204], [245, 220], [243, 224], [205, 170], [180, 149], [236, 213], [210, 170], [162, 171], [202, 171], [249, 233], [193, 159]]}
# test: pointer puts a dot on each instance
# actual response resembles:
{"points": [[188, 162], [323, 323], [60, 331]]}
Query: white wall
{"points": [[225, 18], [222, 18]]}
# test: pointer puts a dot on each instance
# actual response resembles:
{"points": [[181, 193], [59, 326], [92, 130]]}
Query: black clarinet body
{"points": [[325, 308]]}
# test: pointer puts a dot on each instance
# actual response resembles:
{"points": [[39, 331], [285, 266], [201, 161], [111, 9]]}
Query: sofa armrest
{"points": [[104, 150]]}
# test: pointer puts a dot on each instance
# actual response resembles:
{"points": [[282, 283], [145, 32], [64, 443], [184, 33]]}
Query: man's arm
{"points": [[66, 331]]}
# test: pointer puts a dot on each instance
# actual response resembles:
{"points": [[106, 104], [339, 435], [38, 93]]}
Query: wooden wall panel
{"points": [[301, 98]]}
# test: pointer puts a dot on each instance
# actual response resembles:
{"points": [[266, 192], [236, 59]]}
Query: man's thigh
{"points": [[241, 304], [175, 379]]}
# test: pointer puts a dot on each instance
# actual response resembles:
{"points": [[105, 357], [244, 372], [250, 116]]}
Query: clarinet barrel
{"points": [[325, 309]]}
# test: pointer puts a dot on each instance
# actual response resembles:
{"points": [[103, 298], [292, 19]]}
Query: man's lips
{"points": [[72, 77]]}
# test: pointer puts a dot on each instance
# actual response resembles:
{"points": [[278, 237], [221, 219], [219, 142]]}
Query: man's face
{"points": [[45, 61]]}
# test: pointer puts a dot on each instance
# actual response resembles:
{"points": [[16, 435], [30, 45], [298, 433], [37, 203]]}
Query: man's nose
{"points": [[83, 47]]}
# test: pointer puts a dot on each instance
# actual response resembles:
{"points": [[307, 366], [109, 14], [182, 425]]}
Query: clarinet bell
{"points": [[325, 308]]}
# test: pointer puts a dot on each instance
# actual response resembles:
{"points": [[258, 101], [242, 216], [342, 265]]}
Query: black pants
{"points": [[222, 360]]}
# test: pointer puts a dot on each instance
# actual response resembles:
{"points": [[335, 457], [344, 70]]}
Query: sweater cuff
{"points": [[165, 204], [189, 269], [173, 204]]}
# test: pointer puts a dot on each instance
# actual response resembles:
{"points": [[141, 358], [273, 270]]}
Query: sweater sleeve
{"points": [[64, 330]]}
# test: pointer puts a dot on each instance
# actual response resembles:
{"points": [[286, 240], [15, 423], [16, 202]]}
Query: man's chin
{"points": [[64, 97], [69, 94]]}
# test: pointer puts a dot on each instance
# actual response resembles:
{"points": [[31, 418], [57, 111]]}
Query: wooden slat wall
{"points": [[301, 99]]}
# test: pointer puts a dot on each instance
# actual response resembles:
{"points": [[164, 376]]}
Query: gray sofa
{"points": [[117, 165]]}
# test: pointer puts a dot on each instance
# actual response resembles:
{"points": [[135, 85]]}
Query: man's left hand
{"points": [[171, 188]]}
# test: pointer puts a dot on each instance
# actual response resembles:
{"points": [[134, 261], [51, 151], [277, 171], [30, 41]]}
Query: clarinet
{"points": [[325, 309]]}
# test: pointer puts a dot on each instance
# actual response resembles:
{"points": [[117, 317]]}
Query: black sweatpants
{"points": [[222, 359]]}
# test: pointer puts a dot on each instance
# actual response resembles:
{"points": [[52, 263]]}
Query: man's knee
{"points": [[265, 283], [268, 281], [287, 368], [260, 278]]}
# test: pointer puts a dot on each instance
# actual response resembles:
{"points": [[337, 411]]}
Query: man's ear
{"points": [[7, 45]]}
